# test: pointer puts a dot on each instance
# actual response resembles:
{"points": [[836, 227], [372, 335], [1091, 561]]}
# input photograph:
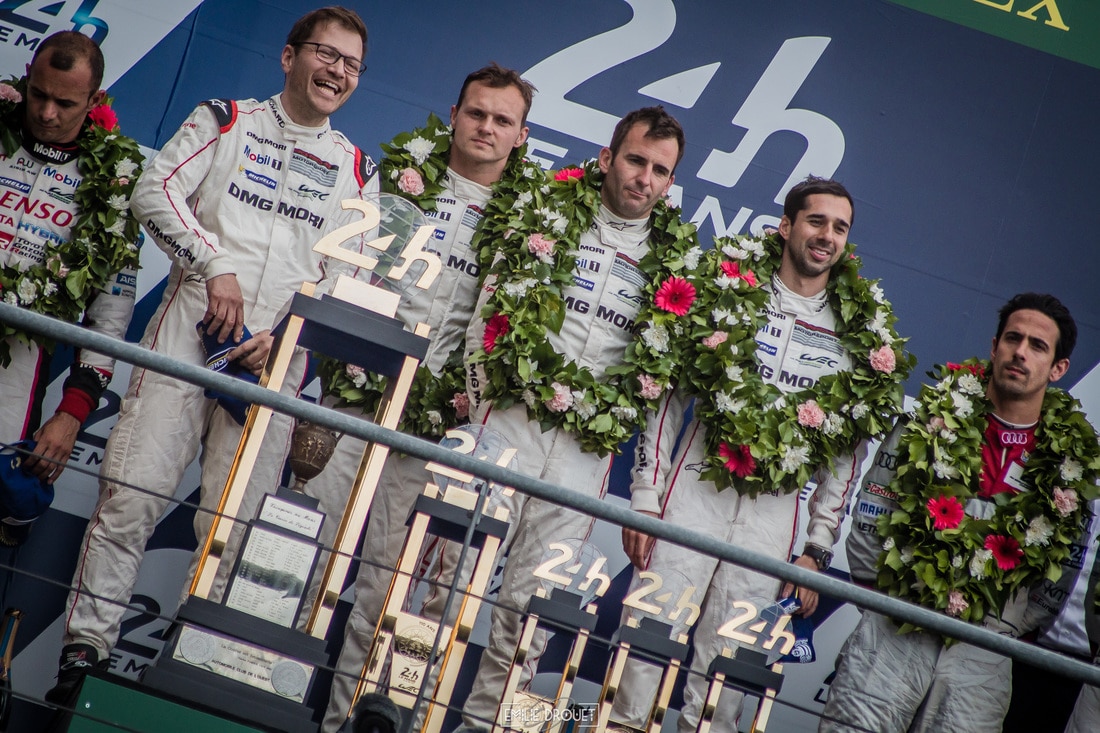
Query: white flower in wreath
{"points": [[859, 411], [1070, 470], [979, 561], [726, 282], [529, 398], [585, 408], [889, 544], [117, 228], [691, 257], [734, 253], [394, 174], [876, 294], [964, 408], [118, 202], [624, 413], [435, 418], [957, 562], [833, 424], [544, 189], [442, 131], [530, 172], [656, 338], [49, 289], [753, 246], [725, 402], [969, 384], [518, 289], [27, 291], [721, 316], [125, 168], [11, 298], [734, 373], [907, 555], [419, 149], [944, 471], [1039, 531], [794, 457], [948, 436], [523, 200]]}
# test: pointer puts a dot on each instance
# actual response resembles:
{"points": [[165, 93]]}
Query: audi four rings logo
{"points": [[1014, 438]]}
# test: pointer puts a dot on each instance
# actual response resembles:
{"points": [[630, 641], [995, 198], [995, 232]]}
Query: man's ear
{"points": [[785, 228], [97, 99], [605, 160], [1058, 370]]}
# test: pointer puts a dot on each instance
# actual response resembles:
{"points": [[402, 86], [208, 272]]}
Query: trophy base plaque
{"points": [[226, 659]]}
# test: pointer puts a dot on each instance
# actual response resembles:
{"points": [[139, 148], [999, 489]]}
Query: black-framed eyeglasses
{"points": [[330, 55]]}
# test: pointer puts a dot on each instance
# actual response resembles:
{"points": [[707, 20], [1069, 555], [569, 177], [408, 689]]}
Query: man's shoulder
{"points": [[226, 112], [365, 167]]}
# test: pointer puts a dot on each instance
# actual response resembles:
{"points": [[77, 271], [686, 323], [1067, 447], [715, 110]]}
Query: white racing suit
{"points": [[913, 682], [797, 347], [241, 189], [447, 309], [602, 304], [37, 212]]}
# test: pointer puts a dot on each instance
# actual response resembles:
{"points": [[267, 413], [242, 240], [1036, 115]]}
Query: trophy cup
{"points": [[662, 608], [244, 653], [760, 630], [573, 577], [447, 509]]}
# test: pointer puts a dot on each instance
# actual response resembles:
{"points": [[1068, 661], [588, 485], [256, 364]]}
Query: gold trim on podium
{"points": [[457, 640]]}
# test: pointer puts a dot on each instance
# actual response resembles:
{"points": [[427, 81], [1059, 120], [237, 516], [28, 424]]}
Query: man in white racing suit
{"points": [[913, 681], [237, 199], [602, 304], [37, 214], [796, 347], [489, 123]]}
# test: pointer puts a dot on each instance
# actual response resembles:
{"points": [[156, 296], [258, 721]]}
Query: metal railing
{"points": [[820, 582]]}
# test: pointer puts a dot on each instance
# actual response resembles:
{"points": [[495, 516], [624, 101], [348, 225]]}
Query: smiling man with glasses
{"points": [[236, 199]]}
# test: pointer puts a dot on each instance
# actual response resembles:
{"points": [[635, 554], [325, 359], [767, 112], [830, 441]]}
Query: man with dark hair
{"points": [[53, 129], [917, 680], [801, 342], [224, 200], [489, 132], [602, 299]]}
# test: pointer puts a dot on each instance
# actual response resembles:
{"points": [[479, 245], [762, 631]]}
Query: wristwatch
{"points": [[823, 557]]}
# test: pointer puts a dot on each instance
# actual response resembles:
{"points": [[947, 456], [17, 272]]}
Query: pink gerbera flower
{"points": [[739, 460], [494, 329], [566, 173], [946, 512], [733, 269], [104, 116], [1006, 550], [675, 296]]}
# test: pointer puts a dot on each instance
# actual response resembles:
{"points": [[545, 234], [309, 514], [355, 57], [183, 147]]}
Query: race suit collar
{"points": [[791, 302], [616, 231], [291, 129], [55, 153], [464, 188]]}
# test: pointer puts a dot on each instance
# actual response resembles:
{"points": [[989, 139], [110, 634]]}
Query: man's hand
{"points": [[253, 353], [55, 444], [807, 597], [637, 545], [224, 308]]}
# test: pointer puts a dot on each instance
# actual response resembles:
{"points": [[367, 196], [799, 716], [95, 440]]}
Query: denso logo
{"points": [[34, 207]]}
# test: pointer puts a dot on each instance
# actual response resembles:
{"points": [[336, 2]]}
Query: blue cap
{"points": [[23, 496], [216, 360]]}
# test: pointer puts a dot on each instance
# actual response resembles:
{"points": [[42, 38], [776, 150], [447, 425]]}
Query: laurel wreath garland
{"points": [[104, 237], [758, 438], [531, 235], [938, 551], [413, 167]]}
